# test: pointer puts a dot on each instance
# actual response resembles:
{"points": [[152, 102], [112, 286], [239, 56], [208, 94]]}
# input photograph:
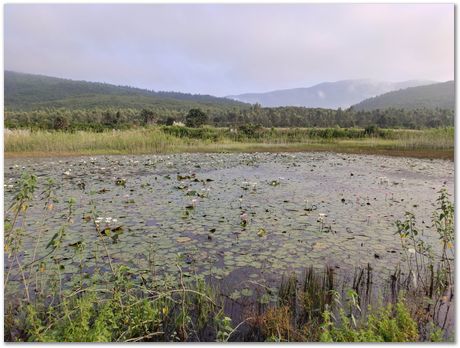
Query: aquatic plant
{"points": [[313, 310], [274, 182], [79, 287], [120, 182], [321, 220], [430, 274], [391, 323], [115, 303], [244, 219]]}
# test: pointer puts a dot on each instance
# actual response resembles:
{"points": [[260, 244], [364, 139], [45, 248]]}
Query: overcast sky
{"points": [[231, 49]]}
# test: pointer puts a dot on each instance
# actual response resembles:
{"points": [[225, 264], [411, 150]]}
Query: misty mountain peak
{"points": [[343, 93]]}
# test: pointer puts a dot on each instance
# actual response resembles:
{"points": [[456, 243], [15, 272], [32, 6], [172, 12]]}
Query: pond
{"points": [[239, 219]]}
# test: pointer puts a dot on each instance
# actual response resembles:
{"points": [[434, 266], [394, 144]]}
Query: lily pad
{"points": [[183, 239], [262, 232], [264, 299], [235, 295], [247, 292]]}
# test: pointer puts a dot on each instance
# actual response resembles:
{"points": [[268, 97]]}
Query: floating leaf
{"points": [[246, 292], [118, 229], [183, 239], [120, 182], [262, 232], [235, 295], [264, 299]]}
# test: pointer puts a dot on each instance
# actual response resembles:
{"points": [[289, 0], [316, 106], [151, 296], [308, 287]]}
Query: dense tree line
{"points": [[113, 118], [315, 117]]}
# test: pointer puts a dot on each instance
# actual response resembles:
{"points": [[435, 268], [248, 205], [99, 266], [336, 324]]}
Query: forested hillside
{"points": [[32, 92], [439, 95]]}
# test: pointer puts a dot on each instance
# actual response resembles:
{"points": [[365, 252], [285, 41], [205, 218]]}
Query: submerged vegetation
{"points": [[431, 143], [106, 300]]}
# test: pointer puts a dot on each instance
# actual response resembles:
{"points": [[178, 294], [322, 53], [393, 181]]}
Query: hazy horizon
{"points": [[228, 49]]}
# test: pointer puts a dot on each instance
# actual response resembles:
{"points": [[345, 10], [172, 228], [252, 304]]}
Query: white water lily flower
{"points": [[411, 251], [321, 217], [98, 221]]}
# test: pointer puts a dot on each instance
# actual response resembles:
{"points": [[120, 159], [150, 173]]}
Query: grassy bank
{"points": [[429, 143]]}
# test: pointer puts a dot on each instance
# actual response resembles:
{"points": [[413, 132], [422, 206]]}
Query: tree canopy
{"points": [[196, 118]]}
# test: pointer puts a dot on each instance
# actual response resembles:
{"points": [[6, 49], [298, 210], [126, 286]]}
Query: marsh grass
{"points": [[318, 308], [129, 141], [432, 143], [321, 307]]}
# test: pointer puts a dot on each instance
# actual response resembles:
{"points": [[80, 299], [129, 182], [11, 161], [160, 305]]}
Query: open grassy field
{"points": [[429, 143]]}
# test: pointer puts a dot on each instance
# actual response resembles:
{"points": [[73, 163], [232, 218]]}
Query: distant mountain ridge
{"points": [[438, 95], [327, 94], [30, 91]]}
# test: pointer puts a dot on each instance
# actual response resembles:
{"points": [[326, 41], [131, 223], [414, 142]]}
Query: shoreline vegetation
{"points": [[433, 143]]}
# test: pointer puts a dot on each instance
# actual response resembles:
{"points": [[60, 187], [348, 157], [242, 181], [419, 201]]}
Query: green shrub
{"points": [[392, 323]]}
